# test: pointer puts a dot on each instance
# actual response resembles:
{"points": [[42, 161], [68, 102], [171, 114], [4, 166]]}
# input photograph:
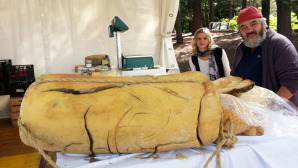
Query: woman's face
{"points": [[202, 41]]}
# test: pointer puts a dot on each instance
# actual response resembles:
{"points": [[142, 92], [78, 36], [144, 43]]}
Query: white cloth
{"points": [[169, 9], [204, 67], [248, 152]]}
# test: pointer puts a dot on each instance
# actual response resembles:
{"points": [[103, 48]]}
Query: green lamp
{"points": [[118, 26]]}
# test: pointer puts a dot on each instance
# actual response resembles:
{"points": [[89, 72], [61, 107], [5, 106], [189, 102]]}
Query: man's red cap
{"points": [[248, 14]]}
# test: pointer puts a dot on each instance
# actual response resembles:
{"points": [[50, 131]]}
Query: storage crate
{"points": [[4, 90], [4, 87], [4, 80], [15, 105], [20, 78], [4, 65], [21, 74], [18, 89]]}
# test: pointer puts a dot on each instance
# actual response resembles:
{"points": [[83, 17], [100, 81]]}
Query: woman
{"points": [[208, 58]]}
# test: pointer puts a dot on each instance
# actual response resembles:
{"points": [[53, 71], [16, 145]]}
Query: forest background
{"points": [[194, 14]]}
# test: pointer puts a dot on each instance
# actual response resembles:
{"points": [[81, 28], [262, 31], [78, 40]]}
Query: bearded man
{"points": [[265, 57]]}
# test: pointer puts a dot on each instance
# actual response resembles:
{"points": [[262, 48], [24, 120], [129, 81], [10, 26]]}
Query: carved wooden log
{"points": [[85, 114]]}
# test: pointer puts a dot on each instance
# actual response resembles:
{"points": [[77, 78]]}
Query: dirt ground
{"points": [[227, 40]]}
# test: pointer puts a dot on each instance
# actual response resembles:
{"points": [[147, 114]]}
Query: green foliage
{"points": [[233, 22], [205, 13], [272, 22], [221, 13], [185, 26], [294, 21], [186, 14]]}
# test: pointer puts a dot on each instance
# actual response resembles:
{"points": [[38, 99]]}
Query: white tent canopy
{"points": [[56, 35]]}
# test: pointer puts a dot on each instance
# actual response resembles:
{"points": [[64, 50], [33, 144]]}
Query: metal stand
{"points": [[119, 52]]}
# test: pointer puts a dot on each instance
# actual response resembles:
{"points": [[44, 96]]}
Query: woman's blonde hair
{"points": [[194, 40]]}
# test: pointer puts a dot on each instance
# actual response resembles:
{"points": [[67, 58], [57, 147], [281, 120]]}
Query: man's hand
{"points": [[284, 92]]}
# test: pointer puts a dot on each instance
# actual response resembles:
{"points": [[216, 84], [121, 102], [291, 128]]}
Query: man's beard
{"points": [[252, 43]]}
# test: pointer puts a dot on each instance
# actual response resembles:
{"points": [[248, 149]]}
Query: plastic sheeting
{"points": [[56, 35], [262, 107]]}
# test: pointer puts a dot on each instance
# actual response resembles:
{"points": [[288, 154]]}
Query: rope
{"points": [[115, 80], [33, 143], [225, 139]]}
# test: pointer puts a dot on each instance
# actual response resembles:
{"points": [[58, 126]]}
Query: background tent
{"points": [[56, 35]]}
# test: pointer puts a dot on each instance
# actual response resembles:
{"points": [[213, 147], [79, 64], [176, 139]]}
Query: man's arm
{"points": [[284, 92]]}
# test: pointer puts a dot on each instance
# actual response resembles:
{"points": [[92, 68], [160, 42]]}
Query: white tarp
{"points": [[249, 152], [56, 35]]}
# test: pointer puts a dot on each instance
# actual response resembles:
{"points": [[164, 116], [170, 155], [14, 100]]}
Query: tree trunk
{"points": [[211, 10], [266, 10], [197, 15], [284, 18], [230, 10], [244, 2], [178, 28]]}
